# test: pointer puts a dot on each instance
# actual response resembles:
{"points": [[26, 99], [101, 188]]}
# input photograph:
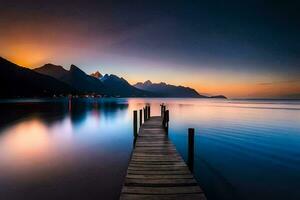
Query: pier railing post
{"points": [[146, 112], [135, 133], [141, 117], [191, 136], [163, 109], [163, 115], [149, 112], [166, 120], [163, 119]]}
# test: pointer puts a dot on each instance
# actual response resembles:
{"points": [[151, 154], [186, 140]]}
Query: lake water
{"points": [[56, 149]]}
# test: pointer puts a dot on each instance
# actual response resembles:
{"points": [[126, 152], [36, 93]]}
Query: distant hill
{"points": [[167, 90], [75, 77], [218, 97], [120, 87], [295, 96], [17, 81]]}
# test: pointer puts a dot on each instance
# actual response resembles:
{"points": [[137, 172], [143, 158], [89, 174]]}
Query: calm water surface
{"points": [[56, 149]]}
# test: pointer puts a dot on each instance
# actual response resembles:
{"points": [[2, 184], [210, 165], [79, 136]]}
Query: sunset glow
{"points": [[155, 46], [147, 99]]}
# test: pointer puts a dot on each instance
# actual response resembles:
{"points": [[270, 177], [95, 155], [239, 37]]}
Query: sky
{"points": [[241, 49]]}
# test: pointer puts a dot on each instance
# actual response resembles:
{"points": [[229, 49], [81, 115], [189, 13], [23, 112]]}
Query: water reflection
{"points": [[17, 148], [55, 142], [56, 149], [243, 148]]}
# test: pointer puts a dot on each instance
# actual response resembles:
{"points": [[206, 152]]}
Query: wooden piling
{"points": [[141, 117], [164, 117], [144, 109], [149, 112], [191, 137], [167, 120], [146, 112], [135, 128], [163, 109]]}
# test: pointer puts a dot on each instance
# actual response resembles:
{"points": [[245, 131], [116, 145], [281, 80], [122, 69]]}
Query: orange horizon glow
{"points": [[232, 85], [25, 59], [237, 89], [253, 90], [34, 37]]}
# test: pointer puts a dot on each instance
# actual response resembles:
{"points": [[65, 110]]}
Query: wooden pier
{"points": [[156, 170]]}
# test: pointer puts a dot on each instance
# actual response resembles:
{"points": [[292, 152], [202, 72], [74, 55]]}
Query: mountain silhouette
{"points": [[17, 81], [120, 87], [167, 90], [75, 77], [50, 80], [97, 74]]}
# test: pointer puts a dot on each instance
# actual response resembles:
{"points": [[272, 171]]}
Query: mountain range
{"points": [[17, 81], [51, 79], [167, 90], [120, 87], [74, 77]]}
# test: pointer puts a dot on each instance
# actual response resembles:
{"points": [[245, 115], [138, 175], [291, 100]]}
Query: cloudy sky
{"points": [[239, 49]]}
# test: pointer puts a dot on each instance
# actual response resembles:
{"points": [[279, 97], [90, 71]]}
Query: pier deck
{"points": [[156, 170]]}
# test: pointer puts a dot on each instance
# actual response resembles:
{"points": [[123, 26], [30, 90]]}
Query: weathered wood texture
{"points": [[156, 170]]}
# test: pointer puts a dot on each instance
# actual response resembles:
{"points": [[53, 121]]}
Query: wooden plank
{"points": [[151, 154], [152, 176], [160, 182], [169, 152], [156, 166], [149, 159], [156, 170], [125, 196], [162, 190], [161, 162], [155, 148]]}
